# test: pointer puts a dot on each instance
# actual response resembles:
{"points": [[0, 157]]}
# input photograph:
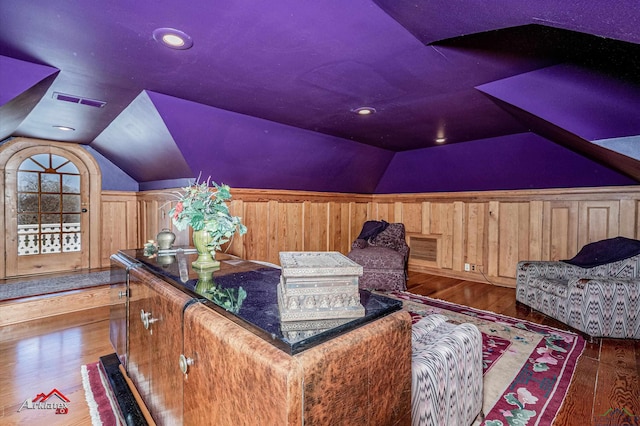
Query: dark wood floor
{"points": [[38, 356]]}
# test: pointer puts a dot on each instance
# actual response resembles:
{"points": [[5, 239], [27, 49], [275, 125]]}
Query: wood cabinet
{"points": [[236, 375]]}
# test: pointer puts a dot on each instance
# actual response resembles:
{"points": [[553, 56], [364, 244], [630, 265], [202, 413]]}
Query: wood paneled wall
{"points": [[491, 230], [119, 224]]}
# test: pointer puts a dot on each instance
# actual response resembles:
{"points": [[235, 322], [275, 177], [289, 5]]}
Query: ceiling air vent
{"points": [[78, 100]]}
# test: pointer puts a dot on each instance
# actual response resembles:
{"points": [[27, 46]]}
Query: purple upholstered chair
{"points": [[382, 252]]}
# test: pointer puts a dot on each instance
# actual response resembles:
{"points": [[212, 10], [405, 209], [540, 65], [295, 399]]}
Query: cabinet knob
{"points": [[146, 319], [122, 294], [185, 363]]}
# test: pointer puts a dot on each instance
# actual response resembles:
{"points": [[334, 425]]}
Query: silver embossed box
{"points": [[294, 331], [318, 285]]}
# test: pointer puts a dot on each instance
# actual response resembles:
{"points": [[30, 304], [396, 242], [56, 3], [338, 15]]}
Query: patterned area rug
{"points": [[99, 398], [527, 367]]}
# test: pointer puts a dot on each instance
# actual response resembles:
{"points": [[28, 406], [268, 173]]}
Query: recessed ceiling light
{"points": [[170, 37], [441, 140], [65, 128], [365, 110]]}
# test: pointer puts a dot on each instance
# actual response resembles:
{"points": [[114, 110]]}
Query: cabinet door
{"points": [[155, 344], [167, 304], [236, 378], [118, 312], [139, 352]]}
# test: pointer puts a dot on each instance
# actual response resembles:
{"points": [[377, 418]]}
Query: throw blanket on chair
{"points": [[605, 251], [370, 230]]}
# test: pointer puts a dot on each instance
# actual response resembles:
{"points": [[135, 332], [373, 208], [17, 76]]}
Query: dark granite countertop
{"points": [[259, 311]]}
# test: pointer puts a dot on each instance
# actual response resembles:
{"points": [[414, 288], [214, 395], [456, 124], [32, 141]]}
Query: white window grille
{"points": [[33, 239]]}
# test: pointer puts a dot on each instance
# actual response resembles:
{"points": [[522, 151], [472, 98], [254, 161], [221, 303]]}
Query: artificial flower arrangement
{"points": [[203, 206]]}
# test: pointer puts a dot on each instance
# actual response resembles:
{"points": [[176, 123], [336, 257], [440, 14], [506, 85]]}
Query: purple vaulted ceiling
{"points": [[527, 94], [523, 161]]}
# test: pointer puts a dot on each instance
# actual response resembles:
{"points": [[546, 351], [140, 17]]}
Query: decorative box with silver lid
{"points": [[318, 285]]}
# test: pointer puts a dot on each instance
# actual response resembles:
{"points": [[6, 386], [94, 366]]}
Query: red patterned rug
{"points": [[527, 366], [102, 405]]}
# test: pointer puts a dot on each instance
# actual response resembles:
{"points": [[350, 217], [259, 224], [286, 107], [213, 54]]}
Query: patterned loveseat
{"points": [[446, 372], [593, 292]]}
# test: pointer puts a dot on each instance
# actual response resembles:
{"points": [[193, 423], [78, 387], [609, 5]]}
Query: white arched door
{"points": [[46, 211]]}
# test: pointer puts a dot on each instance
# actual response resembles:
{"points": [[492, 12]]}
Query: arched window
{"points": [[49, 205]]}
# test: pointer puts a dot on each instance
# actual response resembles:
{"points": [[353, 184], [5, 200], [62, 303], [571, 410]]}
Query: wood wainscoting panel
{"points": [[150, 215], [385, 211], [290, 228], [458, 236], [492, 230], [536, 214], [493, 239], [560, 238], [442, 223], [475, 228], [256, 240], [412, 217], [118, 224], [359, 214], [629, 218], [426, 217], [598, 220], [439, 214], [338, 225], [316, 219], [236, 208], [513, 237]]}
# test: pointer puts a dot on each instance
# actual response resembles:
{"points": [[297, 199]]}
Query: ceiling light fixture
{"points": [[65, 128], [441, 140], [365, 110], [170, 37]]}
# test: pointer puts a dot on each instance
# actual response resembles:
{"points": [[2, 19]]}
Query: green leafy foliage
{"points": [[229, 298], [203, 205]]}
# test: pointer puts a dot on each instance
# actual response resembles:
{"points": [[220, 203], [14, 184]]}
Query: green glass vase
{"points": [[205, 281], [205, 260]]}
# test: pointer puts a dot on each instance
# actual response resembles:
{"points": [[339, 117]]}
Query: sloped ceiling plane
{"points": [[465, 95]]}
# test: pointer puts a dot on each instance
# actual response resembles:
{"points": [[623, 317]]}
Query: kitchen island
{"points": [[208, 347]]}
